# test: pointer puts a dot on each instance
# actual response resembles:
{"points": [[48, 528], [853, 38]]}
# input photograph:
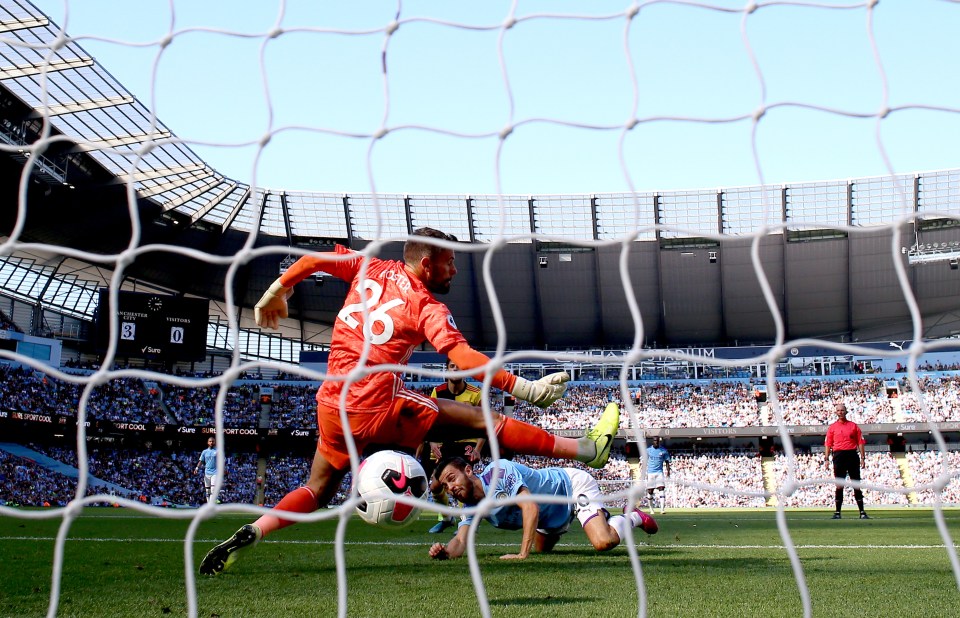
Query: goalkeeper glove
{"points": [[272, 305], [542, 392]]}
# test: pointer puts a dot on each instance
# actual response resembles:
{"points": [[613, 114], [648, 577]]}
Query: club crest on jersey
{"points": [[451, 322], [502, 495]]}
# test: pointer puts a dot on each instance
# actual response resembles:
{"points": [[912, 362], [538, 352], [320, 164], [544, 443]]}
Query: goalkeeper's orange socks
{"points": [[525, 438], [300, 500]]}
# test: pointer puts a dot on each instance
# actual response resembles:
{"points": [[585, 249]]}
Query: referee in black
{"points": [[844, 440]]}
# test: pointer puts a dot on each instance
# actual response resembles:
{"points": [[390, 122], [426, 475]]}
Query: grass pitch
{"points": [[701, 563]]}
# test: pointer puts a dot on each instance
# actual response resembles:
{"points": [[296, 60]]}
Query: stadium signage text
{"points": [[38, 418], [231, 431]]}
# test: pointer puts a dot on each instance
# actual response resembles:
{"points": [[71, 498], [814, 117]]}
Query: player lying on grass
{"points": [[542, 523], [390, 310]]}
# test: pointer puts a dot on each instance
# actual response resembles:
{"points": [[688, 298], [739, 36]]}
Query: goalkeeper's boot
{"points": [[602, 435], [225, 554]]}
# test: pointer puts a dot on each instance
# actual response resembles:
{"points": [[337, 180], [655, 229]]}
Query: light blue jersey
{"points": [[513, 476], [209, 458], [656, 455]]}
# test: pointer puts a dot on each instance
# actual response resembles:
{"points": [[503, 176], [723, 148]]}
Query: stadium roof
{"points": [[103, 178]]}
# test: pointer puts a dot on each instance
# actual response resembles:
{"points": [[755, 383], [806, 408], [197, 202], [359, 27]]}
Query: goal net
{"points": [[560, 128]]}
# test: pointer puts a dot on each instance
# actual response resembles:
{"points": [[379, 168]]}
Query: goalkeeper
{"points": [[401, 314]]}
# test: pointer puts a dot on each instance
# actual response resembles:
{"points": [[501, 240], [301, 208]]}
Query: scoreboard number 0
{"points": [[176, 334]]}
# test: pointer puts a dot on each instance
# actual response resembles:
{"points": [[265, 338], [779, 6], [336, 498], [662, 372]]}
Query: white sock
{"points": [[622, 525]]}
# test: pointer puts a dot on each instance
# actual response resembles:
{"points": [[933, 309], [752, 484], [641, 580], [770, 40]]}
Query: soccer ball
{"points": [[381, 478]]}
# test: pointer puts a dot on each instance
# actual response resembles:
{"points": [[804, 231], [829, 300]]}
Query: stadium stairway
{"points": [[907, 476], [769, 479], [61, 468]]}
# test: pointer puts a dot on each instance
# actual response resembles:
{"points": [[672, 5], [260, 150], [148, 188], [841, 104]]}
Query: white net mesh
{"points": [[556, 129]]}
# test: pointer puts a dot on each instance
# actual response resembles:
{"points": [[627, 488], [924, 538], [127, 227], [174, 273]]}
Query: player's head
{"points": [[452, 366], [656, 441], [841, 410], [211, 441], [457, 478], [432, 264]]}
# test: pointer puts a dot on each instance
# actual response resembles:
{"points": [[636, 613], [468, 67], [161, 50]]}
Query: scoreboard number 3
{"points": [[128, 331]]}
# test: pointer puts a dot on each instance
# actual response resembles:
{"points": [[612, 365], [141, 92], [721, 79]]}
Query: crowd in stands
{"points": [[814, 485], [196, 406], [653, 405], [25, 483], [716, 479], [928, 471], [699, 479], [160, 477], [706, 479]]}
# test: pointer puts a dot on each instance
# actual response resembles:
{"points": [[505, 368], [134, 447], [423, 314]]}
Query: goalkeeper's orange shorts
{"points": [[405, 425]]}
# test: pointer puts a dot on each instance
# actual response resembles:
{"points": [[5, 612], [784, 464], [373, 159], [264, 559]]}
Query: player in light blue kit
{"points": [[208, 459], [658, 468], [542, 523]]}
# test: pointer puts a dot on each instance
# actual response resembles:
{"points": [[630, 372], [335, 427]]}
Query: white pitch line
{"points": [[424, 544]]}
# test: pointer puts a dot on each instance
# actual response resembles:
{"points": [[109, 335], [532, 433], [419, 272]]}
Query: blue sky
{"points": [[690, 63]]}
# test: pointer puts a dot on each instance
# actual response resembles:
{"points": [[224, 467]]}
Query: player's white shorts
{"points": [[589, 500], [208, 480], [656, 480]]}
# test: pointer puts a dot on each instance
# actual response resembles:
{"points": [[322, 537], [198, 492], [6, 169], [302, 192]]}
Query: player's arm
{"points": [[477, 450], [435, 446], [827, 446], [540, 392], [453, 549], [273, 303], [666, 467], [531, 517], [860, 445]]}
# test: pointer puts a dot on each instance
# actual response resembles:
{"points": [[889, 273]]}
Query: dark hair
{"points": [[414, 250], [457, 462]]}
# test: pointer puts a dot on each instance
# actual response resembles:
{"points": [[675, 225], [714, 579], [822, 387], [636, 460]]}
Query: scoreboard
{"points": [[155, 326]]}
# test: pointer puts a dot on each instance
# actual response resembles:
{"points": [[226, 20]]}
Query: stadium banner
{"points": [[14, 423]]}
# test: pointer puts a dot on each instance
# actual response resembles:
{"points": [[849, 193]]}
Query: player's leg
{"points": [[855, 476], [458, 420], [603, 532], [662, 490], [545, 542], [325, 477], [323, 483], [428, 461], [207, 486], [839, 474], [654, 480]]}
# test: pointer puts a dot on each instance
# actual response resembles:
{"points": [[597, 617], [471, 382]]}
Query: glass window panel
{"points": [[620, 214], [818, 204], [745, 209], [564, 216], [317, 215], [510, 212], [447, 213], [693, 212], [366, 210], [879, 201]]}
